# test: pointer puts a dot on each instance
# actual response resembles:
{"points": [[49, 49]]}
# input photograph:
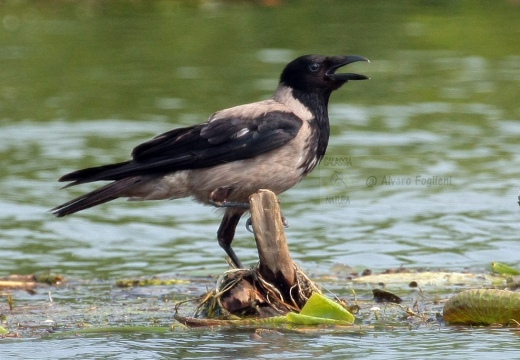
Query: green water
{"points": [[422, 169]]}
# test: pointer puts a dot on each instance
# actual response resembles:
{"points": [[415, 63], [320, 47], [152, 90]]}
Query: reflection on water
{"points": [[82, 84]]}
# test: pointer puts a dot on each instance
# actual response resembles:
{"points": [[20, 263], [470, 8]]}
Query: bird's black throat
{"points": [[317, 104]]}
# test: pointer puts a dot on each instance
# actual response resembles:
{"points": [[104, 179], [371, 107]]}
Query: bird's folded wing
{"points": [[218, 141], [221, 140]]}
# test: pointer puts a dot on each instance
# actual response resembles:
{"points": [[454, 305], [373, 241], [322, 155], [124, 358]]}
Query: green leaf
{"points": [[321, 307], [3, 330], [504, 269], [299, 319]]}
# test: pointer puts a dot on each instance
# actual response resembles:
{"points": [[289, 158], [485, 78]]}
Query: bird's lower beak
{"points": [[340, 61]]}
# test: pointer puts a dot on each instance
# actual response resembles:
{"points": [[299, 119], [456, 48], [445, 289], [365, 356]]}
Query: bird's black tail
{"points": [[104, 172], [99, 196]]}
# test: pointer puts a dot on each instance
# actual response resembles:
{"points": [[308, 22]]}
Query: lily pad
{"points": [[483, 307]]}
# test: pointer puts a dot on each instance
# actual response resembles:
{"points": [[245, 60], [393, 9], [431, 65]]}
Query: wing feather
{"points": [[220, 140]]}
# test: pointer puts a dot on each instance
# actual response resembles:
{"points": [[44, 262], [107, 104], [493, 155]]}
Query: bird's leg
{"points": [[218, 198], [226, 232], [249, 224]]}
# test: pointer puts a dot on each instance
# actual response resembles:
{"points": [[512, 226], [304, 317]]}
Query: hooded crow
{"points": [[270, 144]]}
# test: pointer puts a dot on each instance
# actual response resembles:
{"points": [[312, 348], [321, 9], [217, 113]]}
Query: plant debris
{"points": [[30, 282]]}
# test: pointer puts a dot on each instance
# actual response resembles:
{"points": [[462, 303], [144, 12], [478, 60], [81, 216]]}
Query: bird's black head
{"points": [[316, 73]]}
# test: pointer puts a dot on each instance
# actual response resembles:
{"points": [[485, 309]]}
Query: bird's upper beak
{"points": [[339, 61]]}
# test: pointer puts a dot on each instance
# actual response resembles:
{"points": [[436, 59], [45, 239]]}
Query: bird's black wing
{"points": [[221, 140]]}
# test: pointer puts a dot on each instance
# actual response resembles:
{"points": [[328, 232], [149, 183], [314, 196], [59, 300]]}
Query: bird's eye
{"points": [[314, 67]]}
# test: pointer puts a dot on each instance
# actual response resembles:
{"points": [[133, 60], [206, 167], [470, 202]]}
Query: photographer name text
{"points": [[418, 180]]}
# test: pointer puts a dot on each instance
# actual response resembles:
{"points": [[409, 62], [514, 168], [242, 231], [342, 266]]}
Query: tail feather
{"points": [[102, 195], [104, 172]]}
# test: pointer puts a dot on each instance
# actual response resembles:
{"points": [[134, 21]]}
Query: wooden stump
{"points": [[277, 285], [276, 265]]}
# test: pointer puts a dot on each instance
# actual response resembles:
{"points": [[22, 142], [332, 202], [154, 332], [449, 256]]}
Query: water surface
{"points": [[421, 170]]}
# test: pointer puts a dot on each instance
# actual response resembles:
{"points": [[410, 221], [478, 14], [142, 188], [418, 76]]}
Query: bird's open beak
{"points": [[339, 61]]}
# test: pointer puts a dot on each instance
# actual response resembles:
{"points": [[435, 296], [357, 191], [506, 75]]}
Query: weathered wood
{"points": [[276, 286], [276, 265], [7, 284]]}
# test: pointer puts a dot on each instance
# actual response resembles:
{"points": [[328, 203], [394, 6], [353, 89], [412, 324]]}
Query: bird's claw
{"points": [[249, 224]]}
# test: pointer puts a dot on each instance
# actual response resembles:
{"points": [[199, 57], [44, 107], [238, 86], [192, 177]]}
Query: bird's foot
{"points": [[249, 224], [232, 257], [235, 264], [219, 196], [226, 204]]}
